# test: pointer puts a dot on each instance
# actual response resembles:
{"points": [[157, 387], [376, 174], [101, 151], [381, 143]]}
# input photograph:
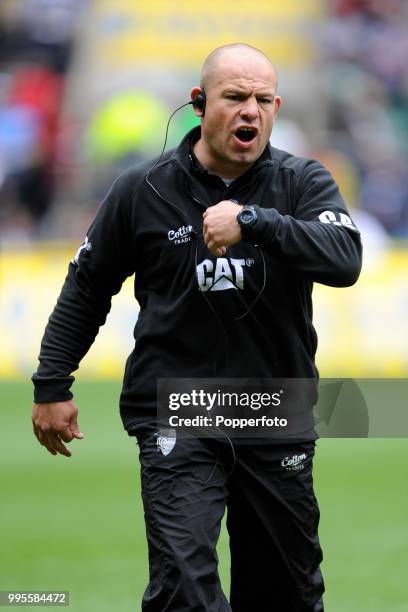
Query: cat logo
{"points": [[224, 273], [337, 218]]}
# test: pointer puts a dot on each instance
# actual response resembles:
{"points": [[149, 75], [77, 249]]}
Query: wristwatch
{"points": [[247, 218]]}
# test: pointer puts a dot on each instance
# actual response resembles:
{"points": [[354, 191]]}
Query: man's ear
{"points": [[277, 104], [197, 95]]}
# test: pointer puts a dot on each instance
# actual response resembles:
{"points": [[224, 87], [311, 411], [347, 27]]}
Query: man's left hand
{"points": [[221, 228]]}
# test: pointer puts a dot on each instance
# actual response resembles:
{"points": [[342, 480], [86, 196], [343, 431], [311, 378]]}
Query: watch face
{"points": [[247, 216]]}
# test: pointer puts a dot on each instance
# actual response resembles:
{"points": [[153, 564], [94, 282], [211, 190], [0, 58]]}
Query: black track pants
{"points": [[272, 521]]}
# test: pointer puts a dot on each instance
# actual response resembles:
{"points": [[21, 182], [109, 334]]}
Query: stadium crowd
{"points": [[362, 76]]}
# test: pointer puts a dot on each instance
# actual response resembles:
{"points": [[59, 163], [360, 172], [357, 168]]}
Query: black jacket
{"points": [[248, 314]]}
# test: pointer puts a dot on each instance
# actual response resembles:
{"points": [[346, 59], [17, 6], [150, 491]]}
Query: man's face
{"points": [[239, 115]]}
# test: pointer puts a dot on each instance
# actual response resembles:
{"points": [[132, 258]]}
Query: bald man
{"points": [[226, 236]]}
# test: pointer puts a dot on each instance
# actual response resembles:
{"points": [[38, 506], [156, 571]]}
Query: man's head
{"points": [[241, 104]]}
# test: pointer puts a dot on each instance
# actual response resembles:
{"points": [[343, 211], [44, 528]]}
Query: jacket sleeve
{"points": [[320, 241], [96, 273]]}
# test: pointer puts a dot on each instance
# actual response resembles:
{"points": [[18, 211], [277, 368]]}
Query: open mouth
{"points": [[245, 134]]}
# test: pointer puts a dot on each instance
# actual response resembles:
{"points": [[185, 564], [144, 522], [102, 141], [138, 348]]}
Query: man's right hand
{"points": [[54, 424]]}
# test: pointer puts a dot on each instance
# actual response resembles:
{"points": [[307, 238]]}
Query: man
{"points": [[224, 291]]}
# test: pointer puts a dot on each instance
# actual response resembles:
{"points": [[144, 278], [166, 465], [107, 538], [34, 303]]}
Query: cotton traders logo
{"points": [[294, 463], [224, 273], [181, 235]]}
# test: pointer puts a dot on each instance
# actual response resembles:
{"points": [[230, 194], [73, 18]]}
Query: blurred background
{"points": [[86, 88]]}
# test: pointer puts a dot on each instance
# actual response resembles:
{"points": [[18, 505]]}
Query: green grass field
{"points": [[77, 524]]}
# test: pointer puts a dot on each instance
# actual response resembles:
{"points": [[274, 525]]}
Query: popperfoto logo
{"points": [[285, 409], [230, 410], [246, 407]]}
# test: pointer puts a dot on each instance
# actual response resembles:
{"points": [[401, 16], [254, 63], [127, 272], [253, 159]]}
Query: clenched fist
{"points": [[221, 228]]}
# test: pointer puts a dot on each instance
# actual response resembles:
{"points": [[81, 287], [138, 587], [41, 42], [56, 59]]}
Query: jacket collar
{"points": [[182, 154]]}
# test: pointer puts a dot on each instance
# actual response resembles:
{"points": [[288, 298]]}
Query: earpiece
{"points": [[200, 102]]}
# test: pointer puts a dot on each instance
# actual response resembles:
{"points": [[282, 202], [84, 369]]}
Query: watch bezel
{"points": [[245, 221]]}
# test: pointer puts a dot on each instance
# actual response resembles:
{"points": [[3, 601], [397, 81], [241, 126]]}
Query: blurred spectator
{"points": [[126, 128], [36, 43], [366, 42], [289, 136], [42, 29]]}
